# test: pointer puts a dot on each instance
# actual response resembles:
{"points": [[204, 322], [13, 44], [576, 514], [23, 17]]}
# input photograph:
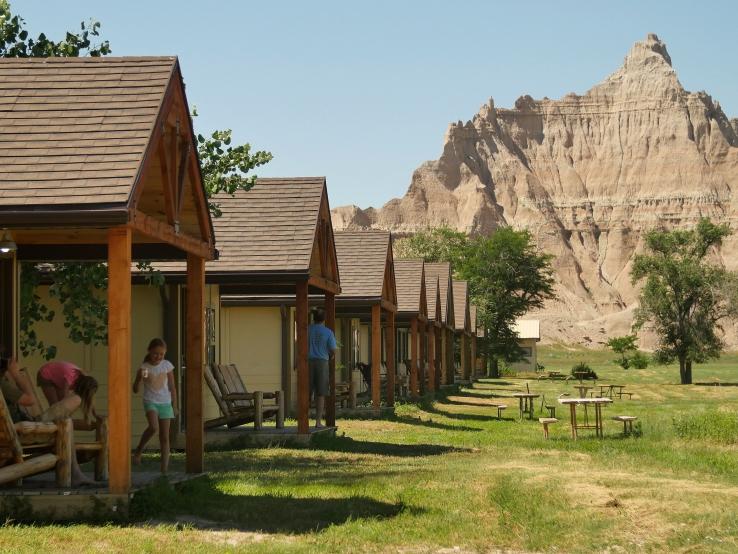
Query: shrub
{"points": [[581, 367], [639, 360], [714, 425], [507, 371]]}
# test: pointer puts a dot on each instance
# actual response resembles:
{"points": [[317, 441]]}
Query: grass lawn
{"points": [[448, 475]]}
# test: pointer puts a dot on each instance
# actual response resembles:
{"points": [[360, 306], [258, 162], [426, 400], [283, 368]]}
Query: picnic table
{"points": [[597, 402], [583, 389], [606, 390], [525, 400], [581, 375]]}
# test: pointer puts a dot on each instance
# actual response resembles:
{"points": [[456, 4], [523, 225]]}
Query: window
{"points": [[527, 351]]}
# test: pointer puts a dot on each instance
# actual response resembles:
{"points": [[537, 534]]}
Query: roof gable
{"points": [[462, 319], [366, 265], [443, 271], [433, 297], [411, 293]]}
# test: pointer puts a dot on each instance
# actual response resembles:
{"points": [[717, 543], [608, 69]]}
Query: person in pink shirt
{"points": [[59, 379]]}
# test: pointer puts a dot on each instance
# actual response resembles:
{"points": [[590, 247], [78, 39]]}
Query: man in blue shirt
{"points": [[322, 346]]}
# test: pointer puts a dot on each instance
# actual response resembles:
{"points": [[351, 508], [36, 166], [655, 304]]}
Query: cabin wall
{"points": [[530, 363], [251, 338]]}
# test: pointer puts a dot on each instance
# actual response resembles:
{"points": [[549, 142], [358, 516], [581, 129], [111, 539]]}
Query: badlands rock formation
{"points": [[587, 175]]}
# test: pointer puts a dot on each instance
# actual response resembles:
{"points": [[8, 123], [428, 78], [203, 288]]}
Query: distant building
{"points": [[529, 333]]}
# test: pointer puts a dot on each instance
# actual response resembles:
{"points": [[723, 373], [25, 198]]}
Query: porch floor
{"points": [[246, 436]]}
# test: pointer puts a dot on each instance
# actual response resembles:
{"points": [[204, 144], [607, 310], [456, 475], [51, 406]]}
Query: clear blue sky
{"points": [[362, 92]]}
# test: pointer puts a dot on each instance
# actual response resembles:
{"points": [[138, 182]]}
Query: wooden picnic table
{"points": [[618, 392], [583, 389], [581, 375], [606, 390], [597, 402], [525, 400]]}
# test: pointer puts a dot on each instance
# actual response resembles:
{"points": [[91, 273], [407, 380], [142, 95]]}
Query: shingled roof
{"points": [[409, 276], [442, 270], [461, 306], [431, 293], [363, 259], [73, 131]]}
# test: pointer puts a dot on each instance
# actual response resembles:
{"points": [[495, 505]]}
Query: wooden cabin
{"points": [[369, 294], [433, 334], [276, 249], [528, 332], [475, 360], [463, 327], [411, 320], [99, 163], [442, 270]]}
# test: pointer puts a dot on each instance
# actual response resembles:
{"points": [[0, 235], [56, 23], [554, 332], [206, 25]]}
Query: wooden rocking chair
{"points": [[29, 447], [96, 450], [237, 405]]}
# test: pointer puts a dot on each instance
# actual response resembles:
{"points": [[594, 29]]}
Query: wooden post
{"points": [[464, 358], [280, 409], [474, 355], [119, 358], [64, 451], [195, 357], [439, 357], [258, 409], [390, 354], [330, 322], [414, 357], [431, 357], [303, 375], [376, 353]]}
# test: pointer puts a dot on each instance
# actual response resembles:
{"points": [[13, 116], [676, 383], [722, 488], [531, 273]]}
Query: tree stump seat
{"points": [[546, 421], [627, 422]]}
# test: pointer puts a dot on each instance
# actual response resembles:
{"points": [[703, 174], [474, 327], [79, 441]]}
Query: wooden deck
{"points": [[39, 499]]}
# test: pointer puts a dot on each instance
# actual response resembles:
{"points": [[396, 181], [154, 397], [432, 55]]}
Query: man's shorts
{"points": [[163, 411], [318, 377]]}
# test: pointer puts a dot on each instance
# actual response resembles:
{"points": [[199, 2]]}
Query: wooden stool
{"points": [[500, 407], [627, 422], [546, 421]]}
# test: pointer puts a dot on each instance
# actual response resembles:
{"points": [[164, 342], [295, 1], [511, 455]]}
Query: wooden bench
{"points": [[627, 422], [500, 408], [546, 421]]}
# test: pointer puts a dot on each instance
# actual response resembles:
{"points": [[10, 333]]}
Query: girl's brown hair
{"points": [[155, 343], [86, 387]]}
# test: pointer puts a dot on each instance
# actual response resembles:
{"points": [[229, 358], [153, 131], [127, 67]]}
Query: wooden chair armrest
{"points": [[239, 396], [35, 428]]}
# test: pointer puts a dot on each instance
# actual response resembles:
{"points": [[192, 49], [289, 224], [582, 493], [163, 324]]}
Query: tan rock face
{"points": [[587, 175]]}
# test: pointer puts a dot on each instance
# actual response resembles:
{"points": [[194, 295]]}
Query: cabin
{"points": [[475, 360], [529, 334], [369, 296], [277, 256], [411, 320], [463, 327], [99, 164], [432, 375], [442, 270]]}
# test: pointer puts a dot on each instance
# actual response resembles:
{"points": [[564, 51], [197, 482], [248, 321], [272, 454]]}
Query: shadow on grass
{"points": [[483, 396], [432, 424], [271, 513], [349, 445]]}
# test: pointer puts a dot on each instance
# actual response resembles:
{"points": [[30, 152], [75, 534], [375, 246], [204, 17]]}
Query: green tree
{"points": [[507, 277], [80, 287], [624, 347], [685, 297]]}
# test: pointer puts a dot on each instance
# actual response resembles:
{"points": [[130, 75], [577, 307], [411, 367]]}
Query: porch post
{"points": [[431, 334], [119, 359], [440, 358], [194, 376], [390, 354], [474, 355], [376, 354], [303, 376], [330, 322], [414, 357], [464, 357]]}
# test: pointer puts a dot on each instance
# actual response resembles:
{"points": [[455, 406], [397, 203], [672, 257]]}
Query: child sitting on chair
{"points": [[159, 398]]}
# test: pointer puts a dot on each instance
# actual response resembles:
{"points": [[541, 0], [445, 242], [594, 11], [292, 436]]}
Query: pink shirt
{"points": [[60, 373]]}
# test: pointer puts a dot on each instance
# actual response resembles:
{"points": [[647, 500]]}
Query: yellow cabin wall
{"points": [[251, 338]]}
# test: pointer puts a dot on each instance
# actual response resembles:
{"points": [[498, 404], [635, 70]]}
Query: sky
{"points": [[362, 92]]}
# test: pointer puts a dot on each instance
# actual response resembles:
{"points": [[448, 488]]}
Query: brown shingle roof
{"points": [[74, 130], [431, 294], [270, 228], [409, 280], [362, 258], [461, 304], [442, 270]]}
